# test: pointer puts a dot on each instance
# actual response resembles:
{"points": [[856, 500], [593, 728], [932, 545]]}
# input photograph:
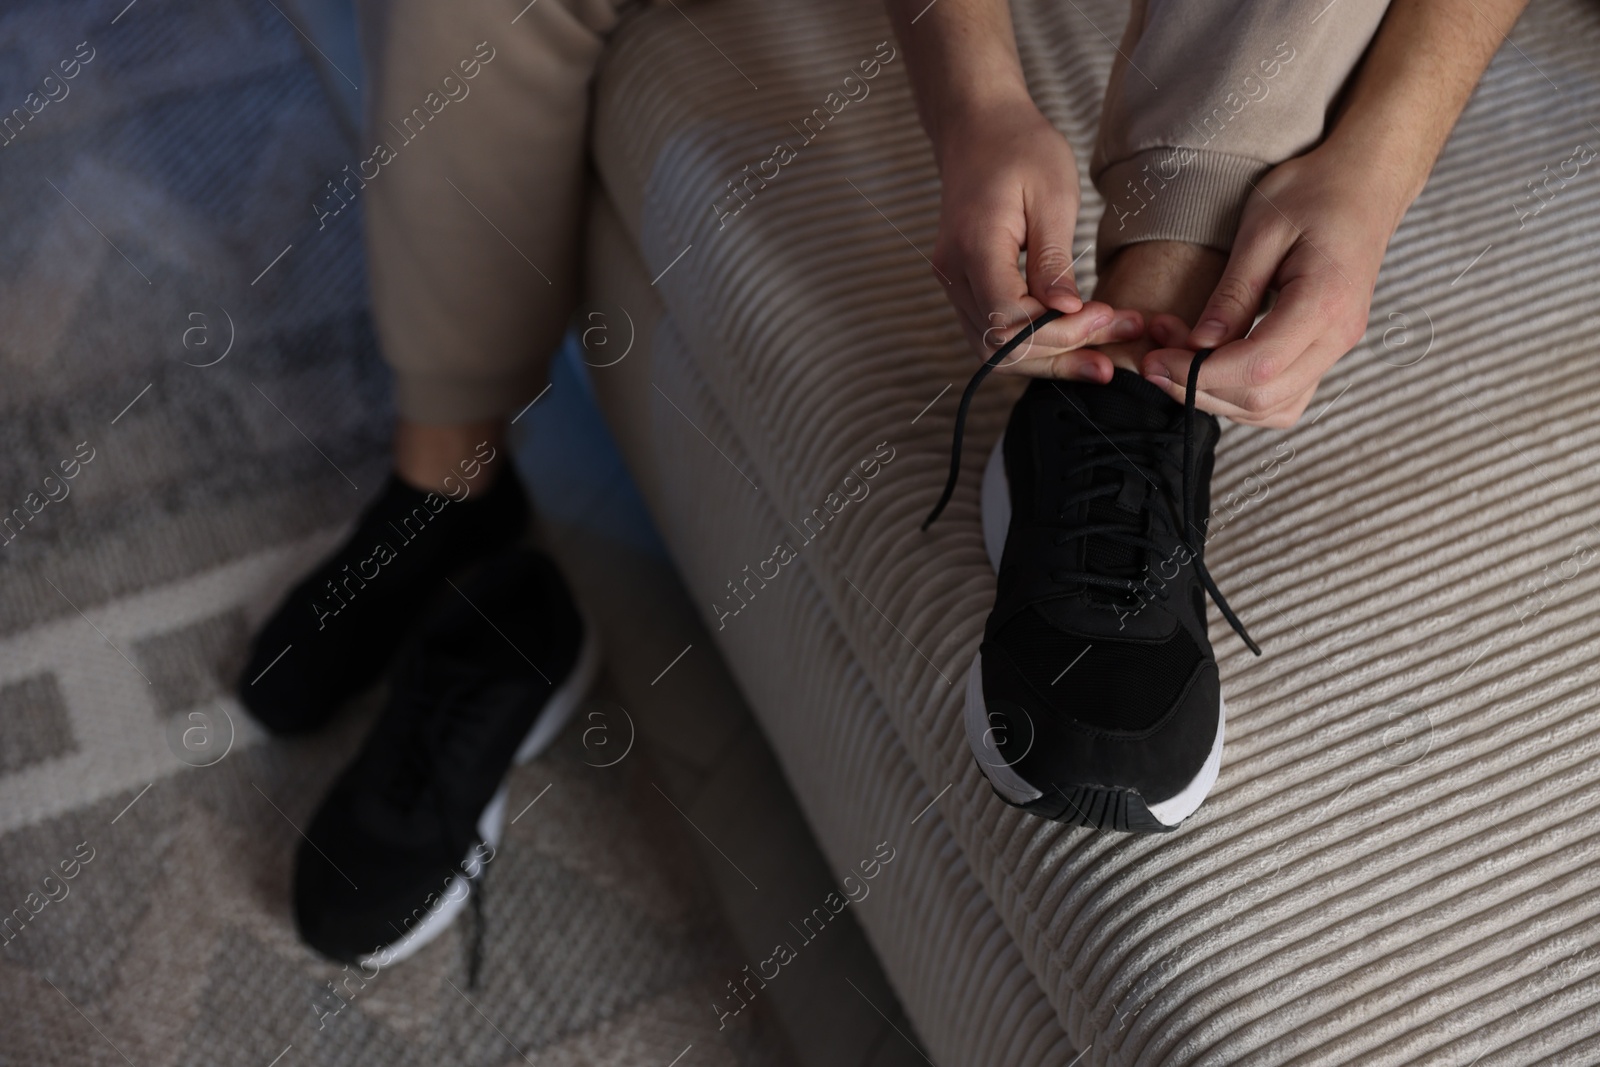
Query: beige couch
{"points": [[1400, 862]]}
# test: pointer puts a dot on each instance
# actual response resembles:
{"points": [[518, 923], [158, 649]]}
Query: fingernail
{"points": [[1210, 331], [1157, 377], [1126, 330], [1100, 322]]}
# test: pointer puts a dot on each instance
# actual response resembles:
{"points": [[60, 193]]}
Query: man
{"points": [[1246, 148], [473, 227]]}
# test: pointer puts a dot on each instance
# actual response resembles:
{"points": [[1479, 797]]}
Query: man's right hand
{"points": [[1010, 184]]}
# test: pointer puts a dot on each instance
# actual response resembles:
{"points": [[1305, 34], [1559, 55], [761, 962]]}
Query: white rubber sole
{"points": [[1002, 775], [1187, 801], [995, 500], [552, 719], [994, 505]]}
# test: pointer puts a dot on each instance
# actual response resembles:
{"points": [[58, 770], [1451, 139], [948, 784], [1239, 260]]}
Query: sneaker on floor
{"points": [[1094, 699], [403, 838], [337, 630]]}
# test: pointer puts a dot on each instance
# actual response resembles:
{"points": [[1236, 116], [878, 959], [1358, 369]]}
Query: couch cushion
{"points": [[966, 989], [1399, 862]]}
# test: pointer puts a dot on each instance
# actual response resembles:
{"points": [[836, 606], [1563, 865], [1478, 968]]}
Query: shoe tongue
{"points": [[1126, 403]]}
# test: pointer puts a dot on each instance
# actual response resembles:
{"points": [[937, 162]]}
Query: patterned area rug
{"points": [[192, 406]]}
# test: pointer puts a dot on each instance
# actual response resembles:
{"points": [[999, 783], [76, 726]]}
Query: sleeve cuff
{"points": [[1173, 194]]}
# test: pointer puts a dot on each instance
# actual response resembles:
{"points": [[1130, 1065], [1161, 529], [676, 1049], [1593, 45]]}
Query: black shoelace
{"points": [[1190, 533]]}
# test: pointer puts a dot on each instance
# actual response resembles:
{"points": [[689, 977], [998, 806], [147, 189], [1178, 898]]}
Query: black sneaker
{"points": [[403, 837], [1094, 699], [337, 630]]}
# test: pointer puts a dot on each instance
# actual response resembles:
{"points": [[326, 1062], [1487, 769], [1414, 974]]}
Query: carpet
{"points": [[193, 407]]}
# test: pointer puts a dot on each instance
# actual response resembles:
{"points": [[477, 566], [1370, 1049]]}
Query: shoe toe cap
{"points": [[1064, 736]]}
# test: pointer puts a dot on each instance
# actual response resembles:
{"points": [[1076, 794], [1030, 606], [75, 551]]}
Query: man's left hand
{"points": [[1315, 230]]}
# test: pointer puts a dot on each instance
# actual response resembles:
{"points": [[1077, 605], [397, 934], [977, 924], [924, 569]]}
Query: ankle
{"points": [[1156, 278], [436, 457]]}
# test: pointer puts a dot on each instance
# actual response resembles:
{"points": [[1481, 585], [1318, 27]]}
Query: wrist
{"points": [[975, 112], [1387, 176]]}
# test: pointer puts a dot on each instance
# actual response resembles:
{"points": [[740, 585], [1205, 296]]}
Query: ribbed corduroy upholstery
{"points": [[1400, 863], [955, 967]]}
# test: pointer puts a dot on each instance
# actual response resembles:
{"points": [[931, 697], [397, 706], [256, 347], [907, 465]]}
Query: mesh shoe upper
{"points": [[1115, 686], [402, 817], [1107, 488], [335, 631], [1096, 658]]}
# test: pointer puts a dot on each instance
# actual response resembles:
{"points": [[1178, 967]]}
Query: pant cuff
{"points": [[1173, 194], [453, 399]]}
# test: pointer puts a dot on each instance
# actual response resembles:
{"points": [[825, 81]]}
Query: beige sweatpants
{"points": [[476, 200], [1205, 96]]}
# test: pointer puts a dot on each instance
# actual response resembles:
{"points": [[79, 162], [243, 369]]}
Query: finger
{"points": [[986, 325], [990, 329], [1080, 364], [997, 285], [1290, 413], [987, 339], [1080, 359], [1203, 400], [1096, 323], [1051, 221], [1304, 314], [1281, 419], [1168, 331], [1257, 254], [1281, 415]]}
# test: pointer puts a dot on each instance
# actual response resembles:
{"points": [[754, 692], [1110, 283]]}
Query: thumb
{"points": [[1238, 294], [1050, 260]]}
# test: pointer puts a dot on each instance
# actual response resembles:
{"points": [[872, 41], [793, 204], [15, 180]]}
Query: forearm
{"points": [[962, 58], [1423, 65]]}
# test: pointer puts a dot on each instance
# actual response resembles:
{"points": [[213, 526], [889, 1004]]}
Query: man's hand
{"points": [[1010, 183], [1315, 231], [1317, 226]]}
